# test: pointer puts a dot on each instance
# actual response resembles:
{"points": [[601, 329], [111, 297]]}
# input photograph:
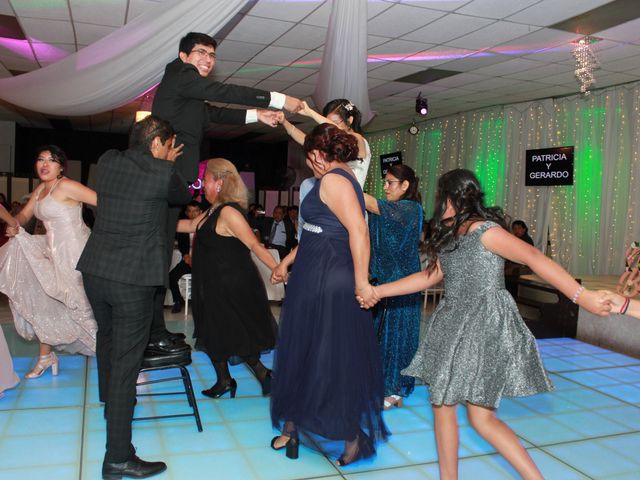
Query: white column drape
{"points": [[119, 67], [590, 223], [343, 72]]}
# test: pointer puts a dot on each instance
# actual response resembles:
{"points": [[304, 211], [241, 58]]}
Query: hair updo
{"points": [[336, 144]]}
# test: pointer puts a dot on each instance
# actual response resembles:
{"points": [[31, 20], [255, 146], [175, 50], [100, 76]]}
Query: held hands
{"points": [[279, 274], [616, 300], [596, 302], [367, 296], [306, 110], [270, 117], [12, 230], [292, 104]]}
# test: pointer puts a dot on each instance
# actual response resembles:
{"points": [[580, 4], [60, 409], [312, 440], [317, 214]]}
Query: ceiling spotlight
{"points": [[422, 108]]}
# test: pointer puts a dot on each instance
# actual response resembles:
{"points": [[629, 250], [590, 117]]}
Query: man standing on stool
{"points": [[122, 265], [181, 100]]}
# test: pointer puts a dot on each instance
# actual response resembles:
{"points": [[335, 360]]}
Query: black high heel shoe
{"points": [[266, 384], [365, 450], [217, 392], [292, 445]]}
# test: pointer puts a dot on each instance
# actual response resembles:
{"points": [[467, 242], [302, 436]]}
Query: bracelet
{"points": [[625, 305], [577, 294]]}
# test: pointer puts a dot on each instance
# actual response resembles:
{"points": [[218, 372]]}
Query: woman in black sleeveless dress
{"points": [[230, 306]]}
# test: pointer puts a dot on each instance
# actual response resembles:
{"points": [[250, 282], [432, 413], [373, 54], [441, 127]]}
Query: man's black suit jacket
{"points": [[180, 100], [128, 242]]}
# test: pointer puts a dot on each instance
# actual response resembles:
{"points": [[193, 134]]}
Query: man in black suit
{"points": [[279, 232], [122, 265], [181, 100]]}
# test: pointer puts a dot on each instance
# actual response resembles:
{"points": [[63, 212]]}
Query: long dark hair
{"points": [[462, 189], [345, 109], [403, 172]]}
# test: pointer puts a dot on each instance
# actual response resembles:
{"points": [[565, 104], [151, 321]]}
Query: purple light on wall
{"points": [[45, 52], [19, 47]]}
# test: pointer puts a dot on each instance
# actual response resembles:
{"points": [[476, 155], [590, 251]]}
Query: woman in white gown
{"points": [[37, 272]]}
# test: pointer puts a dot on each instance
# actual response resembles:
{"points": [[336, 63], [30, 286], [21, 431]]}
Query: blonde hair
{"points": [[233, 188]]}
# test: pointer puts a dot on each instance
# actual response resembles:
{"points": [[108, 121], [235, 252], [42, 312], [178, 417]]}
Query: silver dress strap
{"points": [[310, 227]]}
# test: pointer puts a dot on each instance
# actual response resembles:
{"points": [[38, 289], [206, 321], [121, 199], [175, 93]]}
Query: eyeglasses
{"points": [[387, 183], [204, 53]]}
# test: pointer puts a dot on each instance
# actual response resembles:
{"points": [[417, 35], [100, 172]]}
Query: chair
{"points": [[180, 364], [436, 291], [184, 284]]}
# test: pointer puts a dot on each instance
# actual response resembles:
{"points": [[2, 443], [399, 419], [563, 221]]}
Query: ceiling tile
{"points": [[605, 79], [303, 36], [475, 60], [256, 70], [237, 51], [387, 89], [284, 9], [444, 5], [49, 31], [300, 90], [225, 68], [88, 33], [548, 12], [50, 9], [258, 30], [398, 49], [459, 80], [401, 19], [291, 74], [627, 32], [48, 53], [508, 67], [541, 70], [111, 13], [394, 70], [273, 55], [495, 8], [447, 28], [492, 35], [622, 65], [617, 52], [137, 7], [320, 16], [5, 8]]}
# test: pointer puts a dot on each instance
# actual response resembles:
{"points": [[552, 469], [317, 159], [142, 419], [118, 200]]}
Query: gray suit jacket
{"points": [[128, 241]]}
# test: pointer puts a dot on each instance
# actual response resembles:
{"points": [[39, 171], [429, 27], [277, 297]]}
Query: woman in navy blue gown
{"points": [[327, 376]]}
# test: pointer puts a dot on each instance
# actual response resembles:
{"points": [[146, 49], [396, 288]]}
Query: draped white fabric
{"points": [[119, 67], [343, 72], [590, 223]]}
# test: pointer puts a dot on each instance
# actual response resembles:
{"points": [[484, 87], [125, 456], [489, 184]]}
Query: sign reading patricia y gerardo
{"points": [[549, 166], [388, 160]]}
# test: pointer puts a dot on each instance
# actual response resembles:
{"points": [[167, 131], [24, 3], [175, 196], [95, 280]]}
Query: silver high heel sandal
{"points": [[44, 362]]}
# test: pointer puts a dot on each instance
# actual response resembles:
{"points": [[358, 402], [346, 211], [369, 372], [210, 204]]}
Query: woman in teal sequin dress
{"points": [[394, 228]]}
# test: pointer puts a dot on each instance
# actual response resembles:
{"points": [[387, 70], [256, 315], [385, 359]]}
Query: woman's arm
{"points": [[190, 226], [281, 272], [27, 211], [338, 194], [6, 217], [501, 242], [307, 111], [71, 190], [414, 283], [296, 134], [371, 204], [235, 224], [618, 304]]}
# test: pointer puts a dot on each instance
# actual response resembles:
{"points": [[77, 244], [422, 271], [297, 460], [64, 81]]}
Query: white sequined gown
{"points": [[38, 274]]}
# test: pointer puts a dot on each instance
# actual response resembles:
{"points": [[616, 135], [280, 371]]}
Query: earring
{"points": [[60, 174], [218, 188]]}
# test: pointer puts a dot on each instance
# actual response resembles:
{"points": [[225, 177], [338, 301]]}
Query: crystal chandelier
{"points": [[586, 62]]}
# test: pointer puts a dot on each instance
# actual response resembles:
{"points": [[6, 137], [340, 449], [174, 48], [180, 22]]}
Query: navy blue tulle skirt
{"points": [[327, 376]]}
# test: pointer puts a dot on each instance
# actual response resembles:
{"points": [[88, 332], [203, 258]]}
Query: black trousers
{"points": [[123, 313], [174, 275], [158, 326]]}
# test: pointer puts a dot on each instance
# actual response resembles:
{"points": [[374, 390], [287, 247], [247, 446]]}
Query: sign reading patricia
{"points": [[388, 160], [549, 166]]}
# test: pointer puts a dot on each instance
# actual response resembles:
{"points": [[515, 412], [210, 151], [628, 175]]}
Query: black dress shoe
{"points": [[166, 346], [133, 468]]}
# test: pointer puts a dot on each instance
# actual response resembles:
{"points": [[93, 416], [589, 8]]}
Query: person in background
{"points": [[520, 230], [476, 348], [185, 244], [394, 228], [38, 272], [279, 232]]}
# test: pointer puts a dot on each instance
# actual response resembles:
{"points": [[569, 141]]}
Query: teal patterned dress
{"points": [[395, 237]]}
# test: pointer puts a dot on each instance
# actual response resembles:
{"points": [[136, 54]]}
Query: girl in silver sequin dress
{"points": [[477, 348]]}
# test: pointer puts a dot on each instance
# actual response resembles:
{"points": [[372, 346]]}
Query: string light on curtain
{"points": [[586, 62]]}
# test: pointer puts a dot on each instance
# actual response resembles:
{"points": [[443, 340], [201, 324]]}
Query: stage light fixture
{"points": [[422, 107]]}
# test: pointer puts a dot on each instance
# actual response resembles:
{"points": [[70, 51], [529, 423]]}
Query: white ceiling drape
{"points": [[119, 67], [343, 72]]}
